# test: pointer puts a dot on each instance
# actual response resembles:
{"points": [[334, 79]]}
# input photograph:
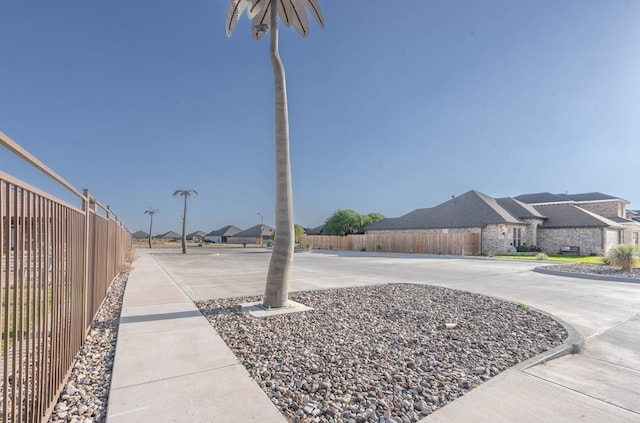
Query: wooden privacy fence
{"points": [[58, 262], [445, 244]]}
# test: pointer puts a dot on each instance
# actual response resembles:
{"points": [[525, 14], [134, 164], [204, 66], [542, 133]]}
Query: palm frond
{"points": [[297, 16], [260, 19], [316, 12], [257, 7], [293, 13], [234, 10]]}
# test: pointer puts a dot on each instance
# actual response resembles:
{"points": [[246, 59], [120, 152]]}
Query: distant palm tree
{"points": [[186, 193], [264, 15], [151, 212]]}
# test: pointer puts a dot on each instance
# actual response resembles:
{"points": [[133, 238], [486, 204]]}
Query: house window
{"points": [[517, 237]]}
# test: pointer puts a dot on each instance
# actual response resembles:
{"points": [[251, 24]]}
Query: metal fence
{"points": [[58, 262]]}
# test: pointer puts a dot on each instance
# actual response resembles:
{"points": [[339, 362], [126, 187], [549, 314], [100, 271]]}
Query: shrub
{"points": [[542, 256], [378, 246], [624, 256], [308, 246], [528, 249]]}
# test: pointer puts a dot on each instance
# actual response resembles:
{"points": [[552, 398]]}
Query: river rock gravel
{"points": [[85, 396], [596, 269], [384, 353], [380, 354]]}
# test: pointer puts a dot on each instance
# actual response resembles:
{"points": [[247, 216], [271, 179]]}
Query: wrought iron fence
{"points": [[58, 261]]}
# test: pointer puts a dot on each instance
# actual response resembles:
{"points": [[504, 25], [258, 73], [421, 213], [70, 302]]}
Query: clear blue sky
{"points": [[393, 106]]}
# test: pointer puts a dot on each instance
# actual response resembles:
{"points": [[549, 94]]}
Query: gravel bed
{"points": [[352, 358], [85, 396], [385, 353], [595, 269]]}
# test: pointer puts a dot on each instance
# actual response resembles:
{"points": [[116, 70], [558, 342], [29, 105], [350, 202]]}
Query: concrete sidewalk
{"points": [[171, 365]]}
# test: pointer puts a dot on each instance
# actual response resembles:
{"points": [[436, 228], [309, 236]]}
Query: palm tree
{"points": [[186, 193], [264, 15], [151, 212]]}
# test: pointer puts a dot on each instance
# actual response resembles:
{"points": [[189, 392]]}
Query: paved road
{"points": [[600, 384]]}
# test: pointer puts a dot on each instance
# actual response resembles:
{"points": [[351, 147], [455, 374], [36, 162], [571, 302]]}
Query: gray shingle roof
{"points": [[548, 198], [542, 198], [519, 209], [590, 196], [618, 219], [258, 230], [228, 230], [315, 231], [471, 209], [169, 234], [139, 234], [571, 216]]}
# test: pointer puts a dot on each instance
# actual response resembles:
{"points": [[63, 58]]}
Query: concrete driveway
{"points": [[602, 383]]}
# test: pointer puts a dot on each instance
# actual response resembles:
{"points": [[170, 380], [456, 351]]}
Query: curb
{"points": [[591, 276], [572, 345]]}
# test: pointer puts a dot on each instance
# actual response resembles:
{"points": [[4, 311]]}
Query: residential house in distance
{"points": [[471, 212], [139, 235], [221, 236], [318, 230], [169, 236], [259, 234], [593, 221], [588, 223], [197, 236]]}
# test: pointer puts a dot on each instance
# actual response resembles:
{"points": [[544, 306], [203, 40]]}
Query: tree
{"points": [[151, 212], [345, 222], [374, 217], [264, 15], [299, 231], [186, 193]]}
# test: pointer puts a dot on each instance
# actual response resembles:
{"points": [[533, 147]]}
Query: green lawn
{"points": [[27, 319], [566, 259]]}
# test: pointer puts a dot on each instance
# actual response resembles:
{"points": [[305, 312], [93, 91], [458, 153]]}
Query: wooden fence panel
{"points": [[441, 244]]}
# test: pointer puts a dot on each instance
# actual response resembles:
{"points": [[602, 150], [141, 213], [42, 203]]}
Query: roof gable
{"points": [[471, 209], [519, 209], [228, 230], [542, 198], [258, 230], [592, 196], [571, 216]]}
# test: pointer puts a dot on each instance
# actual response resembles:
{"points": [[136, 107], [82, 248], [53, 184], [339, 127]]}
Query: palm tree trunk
{"points": [[184, 227], [150, 227], [277, 287]]}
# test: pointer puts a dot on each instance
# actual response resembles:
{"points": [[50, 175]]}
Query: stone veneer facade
{"points": [[605, 208], [590, 240]]}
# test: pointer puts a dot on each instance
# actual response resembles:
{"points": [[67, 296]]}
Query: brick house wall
{"points": [[605, 208], [531, 237], [498, 239], [590, 240]]}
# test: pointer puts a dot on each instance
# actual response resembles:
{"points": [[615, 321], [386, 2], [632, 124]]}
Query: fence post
{"points": [[86, 208]]}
